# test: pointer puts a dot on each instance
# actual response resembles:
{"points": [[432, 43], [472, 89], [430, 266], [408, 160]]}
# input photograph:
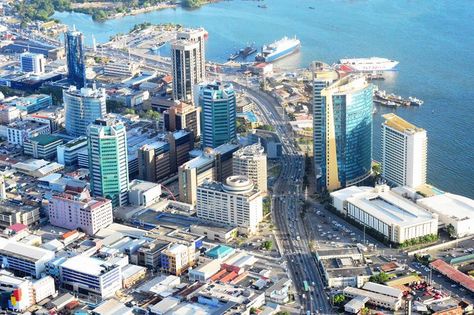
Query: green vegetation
{"points": [[151, 114], [451, 231], [192, 3], [267, 245], [376, 169], [430, 238], [267, 206], [381, 278], [140, 27], [113, 106], [56, 93], [338, 299], [365, 311], [423, 259], [129, 111], [31, 10], [266, 127]]}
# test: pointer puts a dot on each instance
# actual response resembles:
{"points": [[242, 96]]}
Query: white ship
{"points": [[370, 64], [278, 49]]}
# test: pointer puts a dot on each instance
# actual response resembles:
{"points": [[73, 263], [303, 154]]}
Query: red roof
{"points": [[17, 227], [453, 274], [167, 79], [68, 234]]}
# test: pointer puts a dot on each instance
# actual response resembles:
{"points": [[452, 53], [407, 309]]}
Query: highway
{"points": [[286, 206]]}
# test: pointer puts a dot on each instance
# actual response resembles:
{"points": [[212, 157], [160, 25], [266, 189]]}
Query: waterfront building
{"points": [[91, 276], [72, 210], [218, 112], [236, 202], [108, 160], [251, 161], [183, 116], [23, 259], [404, 152], [32, 63], [82, 107], [196, 35], [75, 58], [344, 129], [397, 218], [68, 153], [42, 146], [21, 131]]}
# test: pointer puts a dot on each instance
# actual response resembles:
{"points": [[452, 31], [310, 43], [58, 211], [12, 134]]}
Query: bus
{"points": [[306, 286]]}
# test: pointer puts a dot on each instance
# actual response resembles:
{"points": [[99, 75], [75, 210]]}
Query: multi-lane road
{"points": [[286, 204]]}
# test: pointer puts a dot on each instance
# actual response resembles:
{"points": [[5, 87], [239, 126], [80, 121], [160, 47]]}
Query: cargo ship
{"points": [[370, 64], [278, 49]]}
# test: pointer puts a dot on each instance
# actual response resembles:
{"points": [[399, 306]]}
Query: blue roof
{"points": [[250, 116], [220, 251]]}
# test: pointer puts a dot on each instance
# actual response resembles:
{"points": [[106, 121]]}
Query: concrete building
{"points": [[13, 213], [8, 114], [397, 218], [451, 209], [154, 161], [42, 146], [82, 107], [68, 153], [251, 161], [143, 193], [32, 103], [22, 259], [218, 114], [32, 63], [118, 69], [236, 202], [21, 131], [90, 276], [75, 58], [108, 160], [188, 62], [404, 152], [73, 210], [183, 116], [342, 131], [177, 259], [205, 271], [378, 294]]}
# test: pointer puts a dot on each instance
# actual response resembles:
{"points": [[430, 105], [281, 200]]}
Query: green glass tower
{"points": [[108, 161]]}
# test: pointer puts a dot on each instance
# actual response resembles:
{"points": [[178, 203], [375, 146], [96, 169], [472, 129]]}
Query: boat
{"points": [[370, 64], [415, 101], [233, 56], [311, 8], [247, 51], [262, 6], [156, 48], [278, 49]]}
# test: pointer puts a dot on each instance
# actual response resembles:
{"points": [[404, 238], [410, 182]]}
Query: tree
{"points": [[451, 230], [267, 245], [152, 115], [266, 206], [365, 311], [192, 3], [338, 299], [130, 111], [380, 278]]}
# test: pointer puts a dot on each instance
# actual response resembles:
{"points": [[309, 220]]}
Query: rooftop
{"points": [[456, 207], [27, 252], [87, 265], [45, 139], [142, 185], [220, 251], [400, 124]]}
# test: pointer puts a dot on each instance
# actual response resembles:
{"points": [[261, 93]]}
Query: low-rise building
{"points": [[91, 276], [143, 193], [42, 146], [119, 69], [68, 153], [205, 271], [20, 131], [397, 218], [279, 292], [131, 274], [378, 295], [177, 259], [8, 114], [32, 103], [37, 168], [13, 213]]}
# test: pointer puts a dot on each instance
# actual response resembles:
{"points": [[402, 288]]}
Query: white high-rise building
{"points": [[404, 152], [32, 63], [251, 161], [236, 202], [188, 62], [108, 160]]}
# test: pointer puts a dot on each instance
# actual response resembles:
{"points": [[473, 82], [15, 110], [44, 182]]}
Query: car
{"points": [[453, 286]]}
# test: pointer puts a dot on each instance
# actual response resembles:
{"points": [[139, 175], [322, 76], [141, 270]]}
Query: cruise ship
{"points": [[370, 64], [278, 49]]}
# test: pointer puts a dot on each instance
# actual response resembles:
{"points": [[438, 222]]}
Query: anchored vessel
{"points": [[370, 64], [278, 49]]}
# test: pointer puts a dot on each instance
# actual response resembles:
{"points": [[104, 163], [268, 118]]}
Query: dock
{"points": [[391, 100]]}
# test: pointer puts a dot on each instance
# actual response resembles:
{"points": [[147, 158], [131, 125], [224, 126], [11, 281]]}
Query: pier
{"points": [[391, 100]]}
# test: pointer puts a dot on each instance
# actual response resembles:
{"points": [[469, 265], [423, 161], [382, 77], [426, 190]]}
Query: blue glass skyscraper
{"points": [[345, 128], [218, 114], [75, 55]]}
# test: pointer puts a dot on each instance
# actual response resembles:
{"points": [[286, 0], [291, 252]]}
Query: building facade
{"points": [[68, 153], [108, 160], [218, 114], [404, 152], [344, 125], [75, 58], [19, 132], [32, 63], [251, 161], [73, 210], [82, 107], [235, 202], [42, 146], [183, 116]]}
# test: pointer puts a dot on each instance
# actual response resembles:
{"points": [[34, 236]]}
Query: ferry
{"points": [[278, 49], [370, 64]]}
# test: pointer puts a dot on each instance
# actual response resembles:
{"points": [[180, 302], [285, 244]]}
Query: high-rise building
{"points": [[218, 114], [32, 63], [188, 62], [183, 116], [82, 107], [236, 202], [75, 55], [72, 210], [108, 160], [404, 152], [345, 129], [251, 161]]}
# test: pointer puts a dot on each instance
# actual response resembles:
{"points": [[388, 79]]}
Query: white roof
{"points": [[26, 251], [211, 267], [390, 208], [371, 295], [177, 248], [87, 265], [382, 289], [164, 305], [130, 270], [357, 303], [345, 193], [455, 206]]}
